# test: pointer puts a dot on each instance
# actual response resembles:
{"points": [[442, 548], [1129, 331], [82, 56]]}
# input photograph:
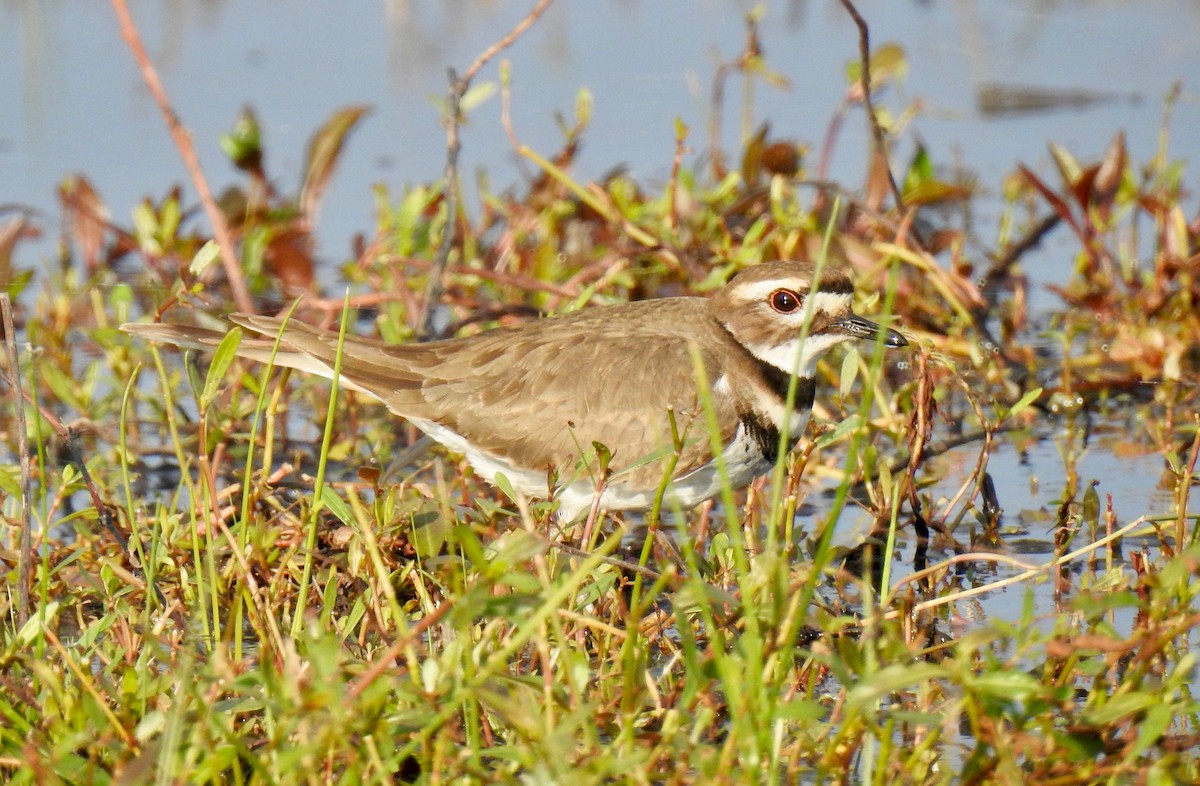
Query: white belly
{"points": [[743, 459]]}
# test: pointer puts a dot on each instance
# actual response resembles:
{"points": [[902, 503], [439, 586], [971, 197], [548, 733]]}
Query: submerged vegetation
{"points": [[233, 576]]}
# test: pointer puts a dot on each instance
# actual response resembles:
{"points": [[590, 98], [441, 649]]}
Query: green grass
{"points": [[305, 600]]}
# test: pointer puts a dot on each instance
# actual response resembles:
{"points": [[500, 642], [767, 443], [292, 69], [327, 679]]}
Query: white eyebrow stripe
{"points": [[760, 290], [829, 302]]}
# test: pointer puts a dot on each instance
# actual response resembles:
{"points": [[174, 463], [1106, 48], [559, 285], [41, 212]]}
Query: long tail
{"points": [[258, 349]]}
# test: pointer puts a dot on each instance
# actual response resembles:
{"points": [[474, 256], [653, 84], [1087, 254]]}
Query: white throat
{"points": [[798, 355]]}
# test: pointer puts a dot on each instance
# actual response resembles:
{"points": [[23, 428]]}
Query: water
{"points": [[1029, 475], [73, 101]]}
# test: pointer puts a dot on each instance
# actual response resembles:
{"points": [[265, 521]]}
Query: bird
{"points": [[602, 400]]}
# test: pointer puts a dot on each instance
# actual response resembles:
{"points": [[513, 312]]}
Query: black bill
{"points": [[867, 330]]}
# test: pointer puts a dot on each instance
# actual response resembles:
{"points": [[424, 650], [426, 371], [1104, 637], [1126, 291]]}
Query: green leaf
{"points": [[10, 481], [209, 253], [70, 476], [1029, 397], [505, 485], [1012, 685], [151, 725], [222, 359], [193, 374], [120, 299], [919, 171], [516, 548], [1095, 604], [889, 680], [429, 538], [888, 63], [169, 217], [603, 456], [583, 107], [64, 387], [849, 372], [1080, 746], [31, 631], [1154, 724], [145, 228], [1091, 505], [1119, 706], [1068, 166], [476, 95], [801, 710], [243, 145], [324, 149], [337, 506], [839, 431]]}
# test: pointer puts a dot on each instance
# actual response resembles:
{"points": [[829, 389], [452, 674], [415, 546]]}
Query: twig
{"points": [[183, 141], [616, 562], [458, 88], [1027, 574], [25, 553], [945, 445], [832, 131], [717, 102], [973, 480], [968, 557], [999, 268], [515, 280], [383, 661], [742, 62], [864, 52], [673, 186], [921, 426], [1187, 477]]}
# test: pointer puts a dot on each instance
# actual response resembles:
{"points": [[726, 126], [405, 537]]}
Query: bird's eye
{"points": [[785, 301]]}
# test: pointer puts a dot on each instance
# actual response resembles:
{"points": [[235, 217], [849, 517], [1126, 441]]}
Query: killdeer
{"points": [[531, 401]]}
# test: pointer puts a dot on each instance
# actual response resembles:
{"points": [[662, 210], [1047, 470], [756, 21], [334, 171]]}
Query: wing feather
{"points": [[542, 393]]}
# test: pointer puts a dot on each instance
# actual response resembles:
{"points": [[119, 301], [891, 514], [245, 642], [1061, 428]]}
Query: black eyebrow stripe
{"points": [[836, 286]]}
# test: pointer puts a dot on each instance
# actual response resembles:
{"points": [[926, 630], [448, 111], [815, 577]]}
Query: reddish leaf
{"points": [[1056, 203], [1081, 188], [878, 183], [752, 155], [289, 258], [86, 218], [1110, 173], [11, 233], [1068, 168]]}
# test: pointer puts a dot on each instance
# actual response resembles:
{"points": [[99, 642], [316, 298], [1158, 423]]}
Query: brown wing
{"points": [[543, 392], [545, 407]]}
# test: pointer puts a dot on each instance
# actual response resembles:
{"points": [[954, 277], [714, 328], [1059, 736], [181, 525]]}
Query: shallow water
{"points": [[1029, 473], [74, 102]]}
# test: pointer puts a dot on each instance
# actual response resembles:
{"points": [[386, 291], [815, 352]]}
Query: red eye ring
{"points": [[785, 301]]}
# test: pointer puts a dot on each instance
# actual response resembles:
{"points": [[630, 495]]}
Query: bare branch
{"points": [[183, 141], [880, 138], [25, 553], [458, 88]]}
